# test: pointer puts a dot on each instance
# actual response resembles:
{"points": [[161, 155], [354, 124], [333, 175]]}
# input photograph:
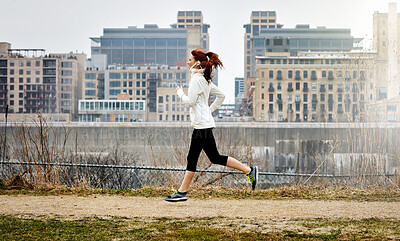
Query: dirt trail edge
{"points": [[74, 206]]}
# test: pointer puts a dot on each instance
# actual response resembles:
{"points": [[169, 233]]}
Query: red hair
{"points": [[208, 61]]}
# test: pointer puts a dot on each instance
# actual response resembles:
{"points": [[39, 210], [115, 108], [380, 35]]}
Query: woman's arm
{"points": [[193, 93], [220, 97]]}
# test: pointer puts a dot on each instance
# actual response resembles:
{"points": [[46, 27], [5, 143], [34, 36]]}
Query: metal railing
{"points": [[126, 176]]}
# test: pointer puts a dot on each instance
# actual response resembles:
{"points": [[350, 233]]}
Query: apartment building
{"points": [[33, 82], [321, 87]]}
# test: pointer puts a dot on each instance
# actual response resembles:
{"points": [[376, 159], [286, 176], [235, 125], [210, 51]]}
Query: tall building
{"points": [[386, 43], [152, 45], [141, 46], [239, 93], [32, 82], [194, 18], [260, 21]]}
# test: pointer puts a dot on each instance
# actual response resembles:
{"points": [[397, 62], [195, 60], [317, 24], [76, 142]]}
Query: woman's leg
{"points": [[186, 181], [210, 148], [196, 145], [233, 163]]}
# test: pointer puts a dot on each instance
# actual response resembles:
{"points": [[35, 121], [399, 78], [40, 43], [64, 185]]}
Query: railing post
{"points": [[135, 178]]}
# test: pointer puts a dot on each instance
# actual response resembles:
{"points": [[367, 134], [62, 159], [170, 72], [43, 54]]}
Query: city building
{"points": [[147, 64], [194, 18], [121, 110], [239, 94], [33, 82], [265, 37], [151, 45], [260, 21], [386, 44], [155, 85], [313, 86]]}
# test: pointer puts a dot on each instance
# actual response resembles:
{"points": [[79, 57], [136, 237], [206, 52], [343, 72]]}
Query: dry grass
{"points": [[311, 192]]}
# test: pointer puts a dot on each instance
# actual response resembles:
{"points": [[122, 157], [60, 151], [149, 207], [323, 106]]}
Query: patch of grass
{"points": [[95, 228], [278, 193]]}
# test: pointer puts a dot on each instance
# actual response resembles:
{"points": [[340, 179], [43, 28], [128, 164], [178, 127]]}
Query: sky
{"points": [[64, 26]]}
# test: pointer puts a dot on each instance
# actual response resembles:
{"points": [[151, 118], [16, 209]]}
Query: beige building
{"points": [[386, 43], [155, 85], [33, 82], [195, 18], [259, 22], [321, 87]]}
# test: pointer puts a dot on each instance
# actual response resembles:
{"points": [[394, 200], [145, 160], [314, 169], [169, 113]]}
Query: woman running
{"points": [[201, 66]]}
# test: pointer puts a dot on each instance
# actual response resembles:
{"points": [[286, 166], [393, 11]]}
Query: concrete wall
{"points": [[275, 148]]}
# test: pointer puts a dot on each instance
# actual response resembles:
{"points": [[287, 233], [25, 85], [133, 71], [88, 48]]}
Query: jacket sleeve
{"points": [[220, 97], [193, 93]]}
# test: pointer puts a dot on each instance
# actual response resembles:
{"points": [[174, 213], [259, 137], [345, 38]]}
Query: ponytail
{"points": [[208, 61]]}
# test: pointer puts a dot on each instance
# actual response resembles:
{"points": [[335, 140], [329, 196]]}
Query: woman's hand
{"points": [[178, 88]]}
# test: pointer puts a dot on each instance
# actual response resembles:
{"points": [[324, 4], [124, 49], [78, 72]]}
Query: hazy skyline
{"points": [[64, 26]]}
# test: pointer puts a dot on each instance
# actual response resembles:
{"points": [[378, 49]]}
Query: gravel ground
{"points": [[141, 207]]}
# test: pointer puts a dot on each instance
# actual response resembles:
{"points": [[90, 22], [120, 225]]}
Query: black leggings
{"points": [[203, 139]]}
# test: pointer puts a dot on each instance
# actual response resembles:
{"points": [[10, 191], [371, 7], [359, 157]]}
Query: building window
{"points": [[290, 74], [271, 74], [340, 74], [324, 74]]}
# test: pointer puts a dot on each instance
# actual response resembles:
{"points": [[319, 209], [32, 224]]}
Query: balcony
{"points": [[313, 77], [322, 89], [271, 111], [306, 89], [271, 89], [339, 90], [297, 101], [314, 101], [290, 89], [340, 111], [297, 77], [330, 77], [279, 101], [279, 77]]}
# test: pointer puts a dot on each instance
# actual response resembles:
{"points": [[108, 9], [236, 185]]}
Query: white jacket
{"points": [[197, 98]]}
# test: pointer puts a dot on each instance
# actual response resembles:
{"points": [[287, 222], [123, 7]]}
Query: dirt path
{"points": [[74, 206]]}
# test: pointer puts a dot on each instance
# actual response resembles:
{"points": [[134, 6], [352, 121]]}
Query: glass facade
{"points": [[148, 45]]}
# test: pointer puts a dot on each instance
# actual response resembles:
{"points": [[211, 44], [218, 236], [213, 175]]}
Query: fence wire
{"points": [[124, 176]]}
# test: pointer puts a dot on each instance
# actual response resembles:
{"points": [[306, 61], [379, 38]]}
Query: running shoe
{"points": [[177, 197], [253, 176]]}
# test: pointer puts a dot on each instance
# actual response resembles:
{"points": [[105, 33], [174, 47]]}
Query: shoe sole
{"points": [[256, 177], [176, 200]]}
